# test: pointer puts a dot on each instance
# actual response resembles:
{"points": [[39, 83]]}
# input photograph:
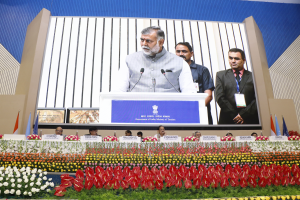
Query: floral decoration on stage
{"points": [[23, 182], [262, 138], [110, 139], [33, 137], [190, 139], [227, 138], [150, 139], [1, 136], [114, 178], [72, 138], [294, 137], [292, 133]]}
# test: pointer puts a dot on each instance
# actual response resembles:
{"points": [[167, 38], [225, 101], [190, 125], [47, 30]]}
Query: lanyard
{"points": [[238, 84]]}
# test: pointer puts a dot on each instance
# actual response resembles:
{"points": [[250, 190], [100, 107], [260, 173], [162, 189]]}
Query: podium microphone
{"points": [[141, 71], [164, 73]]}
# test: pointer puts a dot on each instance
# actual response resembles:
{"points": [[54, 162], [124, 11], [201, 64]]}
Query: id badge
{"points": [[196, 87], [240, 100]]}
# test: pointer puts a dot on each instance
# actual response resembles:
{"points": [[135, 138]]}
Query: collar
{"points": [[241, 71], [156, 56], [193, 65]]}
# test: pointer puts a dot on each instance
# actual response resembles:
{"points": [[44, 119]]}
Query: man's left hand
{"points": [[238, 119]]}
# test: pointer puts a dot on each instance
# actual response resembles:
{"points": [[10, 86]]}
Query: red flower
{"points": [[295, 168], [214, 183], [243, 183], [178, 183], [60, 191], [234, 182], [252, 182], [108, 185], [68, 178], [270, 181], [145, 169], [224, 183], [78, 186], [154, 170], [292, 181], [158, 177], [115, 184], [173, 169], [79, 174], [144, 184], [277, 181], [188, 184], [118, 169], [197, 183], [244, 175], [124, 184], [89, 171], [134, 184], [150, 185], [126, 170], [205, 182], [285, 181], [63, 176], [159, 184], [99, 170], [163, 169], [88, 184], [66, 184], [97, 182], [219, 168], [262, 182]]}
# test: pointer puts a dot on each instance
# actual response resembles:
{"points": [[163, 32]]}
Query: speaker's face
{"points": [[235, 60]]}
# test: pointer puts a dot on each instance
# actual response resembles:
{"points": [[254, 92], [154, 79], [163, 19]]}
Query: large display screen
{"points": [[51, 116]]}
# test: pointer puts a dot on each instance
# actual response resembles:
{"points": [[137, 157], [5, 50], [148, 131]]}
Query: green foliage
{"points": [[176, 193]]}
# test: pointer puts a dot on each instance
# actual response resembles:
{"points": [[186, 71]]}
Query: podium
{"points": [[152, 108]]}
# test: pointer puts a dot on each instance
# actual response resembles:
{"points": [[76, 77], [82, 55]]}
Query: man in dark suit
{"points": [[235, 92]]}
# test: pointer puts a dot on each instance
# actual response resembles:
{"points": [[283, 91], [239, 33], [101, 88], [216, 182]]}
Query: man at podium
{"points": [[154, 69]]}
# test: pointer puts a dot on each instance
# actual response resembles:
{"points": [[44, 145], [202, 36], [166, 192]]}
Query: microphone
{"points": [[141, 71], [164, 73]]}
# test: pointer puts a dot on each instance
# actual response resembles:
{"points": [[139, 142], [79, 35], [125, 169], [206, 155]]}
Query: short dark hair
{"points": [[159, 127], [93, 129], [160, 34], [227, 134], [253, 133], [128, 131], [185, 44], [59, 127], [140, 133], [235, 50]]}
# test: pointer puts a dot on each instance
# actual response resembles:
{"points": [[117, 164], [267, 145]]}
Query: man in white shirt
{"points": [[154, 69]]}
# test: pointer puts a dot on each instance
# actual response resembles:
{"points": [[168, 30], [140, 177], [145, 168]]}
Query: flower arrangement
{"points": [[227, 138], [190, 139], [33, 137], [291, 133], [1, 136], [199, 177], [294, 137], [150, 139], [261, 138], [110, 139], [72, 138], [23, 182]]}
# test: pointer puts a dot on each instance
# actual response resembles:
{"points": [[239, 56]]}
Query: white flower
{"points": [[39, 179], [32, 178], [1, 178], [47, 183], [26, 180], [43, 187], [44, 178], [33, 190], [13, 185], [19, 185], [12, 180], [22, 169], [40, 171], [31, 184], [50, 179], [38, 183], [6, 192], [6, 178], [19, 180], [18, 192], [40, 175], [25, 193], [5, 183], [30, 194], [6, 172], [52, 184], [12, 191], [37, 190], [1, 185], [48, 190], [45, 173], [34, 171], [24, 173], [26, 186]]}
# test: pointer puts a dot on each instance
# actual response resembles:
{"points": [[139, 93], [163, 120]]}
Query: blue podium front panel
{"points": [[132, 111]]}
